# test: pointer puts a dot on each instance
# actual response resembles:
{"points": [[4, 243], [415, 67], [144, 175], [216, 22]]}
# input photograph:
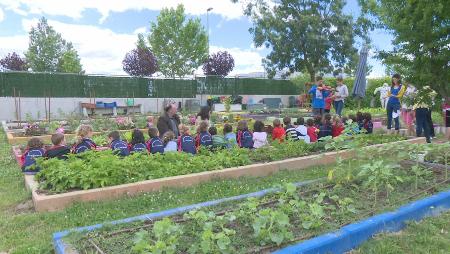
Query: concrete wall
{"points": [[36, 106]]}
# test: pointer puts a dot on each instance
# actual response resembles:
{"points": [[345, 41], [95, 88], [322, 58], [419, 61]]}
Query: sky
{"points": [[103, 31]]}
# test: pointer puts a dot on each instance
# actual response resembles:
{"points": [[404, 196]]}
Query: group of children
{"points": [[310, 131]]}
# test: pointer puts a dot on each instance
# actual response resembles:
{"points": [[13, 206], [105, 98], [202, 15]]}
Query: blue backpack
{"points": [[29, 159], [204, 139], [84, 145], [245, 139], [186, 144], [139, 147], [120, 147], [155, 145]]}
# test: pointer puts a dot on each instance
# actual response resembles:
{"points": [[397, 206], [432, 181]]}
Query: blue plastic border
{"points": [[60, 246], [351, 236]]}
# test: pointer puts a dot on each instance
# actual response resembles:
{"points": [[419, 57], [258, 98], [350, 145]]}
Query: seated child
{"points": [[278, 132], [186, 142], [137, 141], [352, 121], [259, 135], [317, 121], [337, 127], [116, 144], [368, 124], [229, 136], [219, 141], [154, 144], [291, 133], [59, 149], [311, 130], [302, 130], [360, 120], [244, 137], [170, 143], [35, 149], [326, 128], [203, 137], [84, 133]]}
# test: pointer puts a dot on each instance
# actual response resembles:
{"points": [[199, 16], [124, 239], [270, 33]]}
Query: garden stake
{"points": [[95, 246]]}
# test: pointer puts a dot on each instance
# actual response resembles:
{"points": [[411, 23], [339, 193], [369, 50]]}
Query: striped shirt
{"points": [[291, 133]]}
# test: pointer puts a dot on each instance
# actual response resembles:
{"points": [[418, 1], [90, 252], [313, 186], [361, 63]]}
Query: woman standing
{"points": [[393, 105]]}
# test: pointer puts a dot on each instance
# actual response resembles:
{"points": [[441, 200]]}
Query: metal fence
{"points": [[73, 85]]}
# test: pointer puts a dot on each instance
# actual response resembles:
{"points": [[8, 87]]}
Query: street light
{"points": [[207, 23]]}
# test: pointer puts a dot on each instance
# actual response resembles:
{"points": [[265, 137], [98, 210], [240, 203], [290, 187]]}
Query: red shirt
{"points": [[328, 102], [278, 133], [337, 130], [311, 131]]}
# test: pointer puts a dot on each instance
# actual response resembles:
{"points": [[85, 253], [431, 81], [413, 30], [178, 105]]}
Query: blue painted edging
{"points": [[60, 246], [351, 236]]}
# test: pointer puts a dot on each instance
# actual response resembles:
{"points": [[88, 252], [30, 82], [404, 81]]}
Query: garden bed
{"points": [[47, 202], [267, 221]]}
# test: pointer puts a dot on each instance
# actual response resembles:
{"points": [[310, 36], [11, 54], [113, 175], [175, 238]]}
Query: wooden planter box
{"points": [[55, 202]]}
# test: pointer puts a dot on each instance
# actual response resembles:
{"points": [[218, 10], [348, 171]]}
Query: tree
{"points": [[140, 62], [13, 62], [179, 44], [421, 39], [220, 64], [48, 51], [310, 35]]}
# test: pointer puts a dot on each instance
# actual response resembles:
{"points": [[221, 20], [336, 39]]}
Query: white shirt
{"points": [[383, 91], [303, 133], [259, 139], [342, 92]]}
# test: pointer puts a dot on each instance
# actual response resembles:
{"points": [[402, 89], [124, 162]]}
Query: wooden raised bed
{"points": [[43, 202]]}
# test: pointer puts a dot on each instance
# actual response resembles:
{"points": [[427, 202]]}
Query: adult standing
{"points": [[422, 107], [169, 120], [340, 95], [446, 115], [393, 105], [318, 100]]}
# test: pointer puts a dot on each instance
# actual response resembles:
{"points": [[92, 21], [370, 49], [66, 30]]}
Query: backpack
{"points": [[186, 144], [204, 139], [155, 145], [84, 145], [120, 147], [29, 158], [245, 139], [139, 147]]}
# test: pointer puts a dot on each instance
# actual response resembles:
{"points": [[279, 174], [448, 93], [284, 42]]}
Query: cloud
{"points": [[74, 9], [2, 15], [17, 43]]}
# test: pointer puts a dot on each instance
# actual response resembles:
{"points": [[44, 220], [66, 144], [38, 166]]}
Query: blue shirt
{"points": [[318, 97], [231, 139], [395, 92]]}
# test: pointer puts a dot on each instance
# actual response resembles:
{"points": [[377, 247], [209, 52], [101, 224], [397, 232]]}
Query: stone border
{"points": [[56, 202]]}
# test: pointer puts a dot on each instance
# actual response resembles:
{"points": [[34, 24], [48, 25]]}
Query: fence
{"points": [[74, 85]]}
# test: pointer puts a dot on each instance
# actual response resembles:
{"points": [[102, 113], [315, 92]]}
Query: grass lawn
{"points": [[25, 231], [429, 236]]}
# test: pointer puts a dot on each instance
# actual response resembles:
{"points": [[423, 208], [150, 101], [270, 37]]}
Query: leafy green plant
{"points": [[271, 225], [166, 233]]}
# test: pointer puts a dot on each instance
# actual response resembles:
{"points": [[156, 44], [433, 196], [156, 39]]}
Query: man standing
{"points": [[169, 120], [340, 95], [318, 100]]}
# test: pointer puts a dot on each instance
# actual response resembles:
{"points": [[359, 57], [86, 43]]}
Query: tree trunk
{"points": [[312, 76]]}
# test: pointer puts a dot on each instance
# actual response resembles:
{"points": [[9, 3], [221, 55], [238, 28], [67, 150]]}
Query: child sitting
{"points": [[352, 122], [317, 121], [137, 141], [35, 149], [243, 136], [154, 144], [311, 130], [203, 137], [278, 132], [368, 124], [84, 133], [116, 144], [360, 120], [219, 141], [59, 149], [170, 144], [259, 135], [326, 128], [291, 133], [229, 136], [302, 130], [185, 142], [337, 127], [150, 121]]}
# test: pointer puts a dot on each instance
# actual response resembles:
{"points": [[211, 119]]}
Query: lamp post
{"points": [[207, 23]]}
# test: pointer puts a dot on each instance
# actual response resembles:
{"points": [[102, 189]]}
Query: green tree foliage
{"points": [[310, 35], [49, 52], [421, 39], [179, 44]]}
